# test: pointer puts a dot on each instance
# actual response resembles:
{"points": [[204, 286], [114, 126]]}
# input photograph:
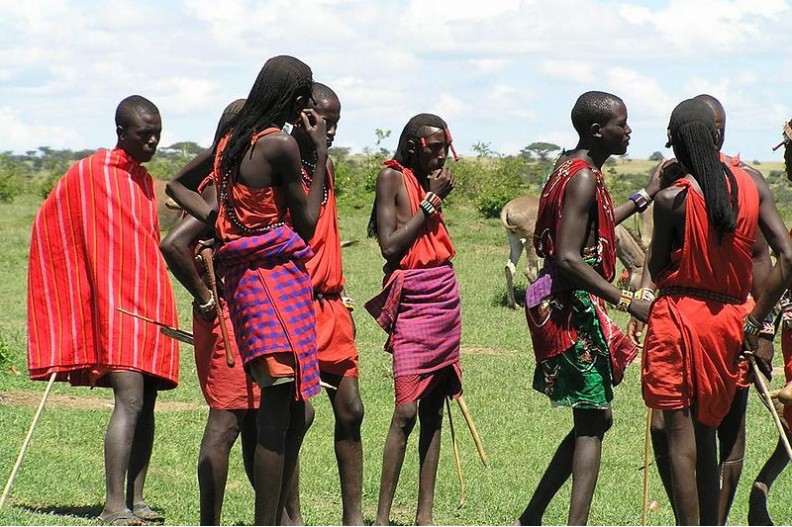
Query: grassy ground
{"points": [[62, 480]]}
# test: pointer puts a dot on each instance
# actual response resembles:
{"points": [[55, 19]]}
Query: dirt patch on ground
{"points": [[72, 402]]}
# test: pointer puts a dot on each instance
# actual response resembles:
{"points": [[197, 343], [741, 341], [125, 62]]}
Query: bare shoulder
{"points": [[276, 145], [670, 198], [389, 175]]}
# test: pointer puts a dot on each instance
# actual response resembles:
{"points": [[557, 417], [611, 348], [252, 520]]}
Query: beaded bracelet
{"points": [[625, 300], [434, 199], [641, 200], [645, 293], [208, 307], [751, 326], [427, 207]]}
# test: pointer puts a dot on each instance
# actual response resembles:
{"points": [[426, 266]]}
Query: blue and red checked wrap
{"points": [[420, 311], [270, 300]]}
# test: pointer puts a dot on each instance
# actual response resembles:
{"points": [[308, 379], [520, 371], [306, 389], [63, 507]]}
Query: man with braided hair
{"points": [[419, 306], [580, 353], [94, 249], [701, 260], [264, 222], [731, 431]]}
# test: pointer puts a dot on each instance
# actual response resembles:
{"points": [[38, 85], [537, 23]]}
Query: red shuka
{"points": [[692, 344], [94, 248]]}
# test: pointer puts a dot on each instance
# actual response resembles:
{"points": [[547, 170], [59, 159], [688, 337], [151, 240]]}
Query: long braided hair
{"points": [[281, 80], [693, 135], [411, 132]]}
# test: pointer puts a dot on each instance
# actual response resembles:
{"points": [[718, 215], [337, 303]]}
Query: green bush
{"points": [[10, 181]]}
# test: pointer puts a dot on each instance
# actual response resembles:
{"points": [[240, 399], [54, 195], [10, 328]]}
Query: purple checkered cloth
{"points": [[270, 300], [550, 280], [420, 311]]}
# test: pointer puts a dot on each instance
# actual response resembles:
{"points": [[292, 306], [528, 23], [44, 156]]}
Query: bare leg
{"points": [[731, 435], [558, 471], [590, 427], [430, 413], [220, 434], [757, 504], [348, 410], [402, 424], [281, 424], [682, 450], [707, 474], [292, 511], [142, 444], [660, 449]]}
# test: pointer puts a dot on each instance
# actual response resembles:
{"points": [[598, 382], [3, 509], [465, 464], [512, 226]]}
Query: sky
{"points": [[504, 73]]}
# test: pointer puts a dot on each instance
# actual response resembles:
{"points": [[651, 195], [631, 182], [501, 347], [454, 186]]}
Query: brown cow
{"points": [[167, 209]]}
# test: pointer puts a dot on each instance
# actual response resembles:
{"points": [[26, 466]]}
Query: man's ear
{"points": [[120, 131], [717, 138], [596, 130], [411, 146]]}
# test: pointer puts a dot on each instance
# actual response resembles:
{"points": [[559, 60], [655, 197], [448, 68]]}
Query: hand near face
{"points": [[315, 126], [441, 182]]}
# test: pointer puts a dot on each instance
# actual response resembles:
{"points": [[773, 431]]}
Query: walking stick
{"points": [[205, 255], [645, 505], [26, 442], [763, 391], [457, 460], [469, 420]]}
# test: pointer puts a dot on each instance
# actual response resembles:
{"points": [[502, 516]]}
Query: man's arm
{"points": [[775, 232], [176, 251], [572, 231], [183, 188]]}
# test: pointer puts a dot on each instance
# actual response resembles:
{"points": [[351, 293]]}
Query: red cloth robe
{"points": [[94, 248], [692, 343]]}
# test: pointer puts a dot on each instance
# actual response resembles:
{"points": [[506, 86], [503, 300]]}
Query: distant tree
{"points": [[656, 156], [482, 149], [526, 154], [542, 149], [610, 162], [381, 136], [183, 149], [756, 162]]}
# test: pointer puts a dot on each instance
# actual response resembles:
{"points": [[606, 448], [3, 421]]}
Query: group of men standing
{"points": [[272, 322]]}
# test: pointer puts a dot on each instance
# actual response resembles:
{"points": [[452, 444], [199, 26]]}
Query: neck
{"points": [[589, 154]]}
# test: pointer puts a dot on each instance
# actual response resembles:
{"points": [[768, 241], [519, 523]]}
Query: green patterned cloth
{"points": [[580, 377]]}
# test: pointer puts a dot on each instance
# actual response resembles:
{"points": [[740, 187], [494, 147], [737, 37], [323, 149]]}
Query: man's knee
{"points": [[405, 417], [222, 429], [349, 413]]}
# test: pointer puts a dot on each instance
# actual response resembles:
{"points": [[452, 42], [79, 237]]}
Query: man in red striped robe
{"points": [[95, 248]]}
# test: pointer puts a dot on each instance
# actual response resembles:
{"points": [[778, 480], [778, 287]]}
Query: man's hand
{"points": [[764, 357], [635, 330], [316, 127], [442, 182]]}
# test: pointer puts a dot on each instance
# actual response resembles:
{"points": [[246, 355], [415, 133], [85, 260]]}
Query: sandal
{"points": [[121, 518], [143, 511]]}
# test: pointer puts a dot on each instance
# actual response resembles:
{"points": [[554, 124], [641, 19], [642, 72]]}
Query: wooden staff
{"points": [[168, 331], [645, 505], [457, 460], [26, 442], [205, 255], [764, 392], [476, 439]]}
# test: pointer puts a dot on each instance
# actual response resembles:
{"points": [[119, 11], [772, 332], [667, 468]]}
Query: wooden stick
{"points": [[457, 460], [645, 503], [476, 439], [168, 331], [206, 256], [766, 396], [26, 442]]}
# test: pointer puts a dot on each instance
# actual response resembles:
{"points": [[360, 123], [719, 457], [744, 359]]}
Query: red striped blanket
{"points": [[420, 311], [95, 247], [270, 300]]}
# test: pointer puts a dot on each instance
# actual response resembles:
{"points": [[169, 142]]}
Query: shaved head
{"points": [[323, 92], [720, 115], [131, 107]]}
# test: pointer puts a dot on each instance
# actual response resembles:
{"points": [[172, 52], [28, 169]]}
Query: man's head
{"points": [[719, 113], [228, 118], [600, 119], [327, 105], [424, 143], [138, 127]]}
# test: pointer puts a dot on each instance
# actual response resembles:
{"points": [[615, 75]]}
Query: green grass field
{"points": [[61, 481]]}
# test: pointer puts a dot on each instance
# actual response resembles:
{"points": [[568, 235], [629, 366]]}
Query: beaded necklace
{"points": [[225, 198], [307, 171]]}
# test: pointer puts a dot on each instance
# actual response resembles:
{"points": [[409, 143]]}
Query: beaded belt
{"points": [[701, 294]]}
